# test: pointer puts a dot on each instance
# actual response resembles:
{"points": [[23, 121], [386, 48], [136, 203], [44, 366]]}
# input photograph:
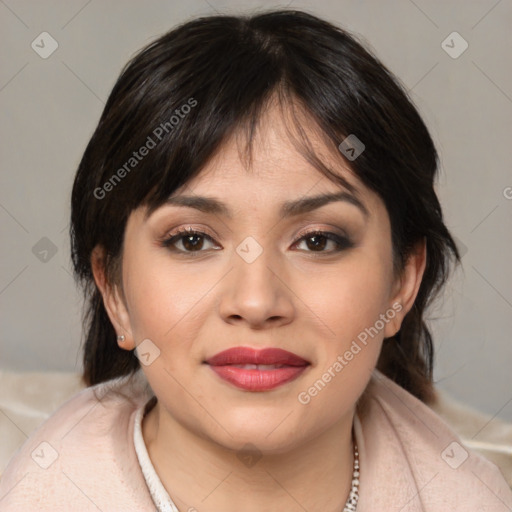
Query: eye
{"points": [[190, 240], [193, 241], [317, 240]]}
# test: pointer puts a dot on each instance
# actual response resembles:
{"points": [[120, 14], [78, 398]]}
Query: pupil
{"points": [[316, 244], [193, 245]]}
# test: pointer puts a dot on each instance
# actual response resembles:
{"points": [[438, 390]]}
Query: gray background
{"points": [[51, 106]]}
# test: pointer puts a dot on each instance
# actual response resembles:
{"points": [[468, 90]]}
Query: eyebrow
{"points": [[288, 209]]}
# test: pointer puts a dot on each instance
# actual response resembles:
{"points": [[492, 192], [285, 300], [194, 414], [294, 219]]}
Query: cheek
{"points": [[351, 297], [160, 295]]}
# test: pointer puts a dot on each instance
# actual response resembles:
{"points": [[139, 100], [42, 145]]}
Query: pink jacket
{"points": [[83, 457]]}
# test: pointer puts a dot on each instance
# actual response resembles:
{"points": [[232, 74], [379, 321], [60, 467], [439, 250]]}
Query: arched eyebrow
{"points": [[288, 208], [308, 204]]}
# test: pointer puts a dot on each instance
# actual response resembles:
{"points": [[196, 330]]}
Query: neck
{"points": [[202, 475]]}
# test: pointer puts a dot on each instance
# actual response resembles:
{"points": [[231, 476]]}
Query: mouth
{"points": [[257, 370]]}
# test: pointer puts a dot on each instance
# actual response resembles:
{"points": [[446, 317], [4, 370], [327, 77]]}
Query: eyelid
{"points": [[309, 231], [184, 230]]}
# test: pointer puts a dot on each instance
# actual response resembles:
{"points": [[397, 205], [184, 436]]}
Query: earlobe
{"points": [[407, 287], [112, 300]]}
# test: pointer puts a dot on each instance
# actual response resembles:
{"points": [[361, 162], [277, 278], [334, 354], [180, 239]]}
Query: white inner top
{"points": [[158, 493]]}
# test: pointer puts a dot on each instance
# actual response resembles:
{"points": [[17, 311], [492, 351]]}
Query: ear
{"points": [[113, 299], [406, 287]]}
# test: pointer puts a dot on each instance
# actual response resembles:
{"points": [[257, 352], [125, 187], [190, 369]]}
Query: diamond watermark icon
{"points": [[454, 45], [146, 351], [351, 147], [249, 455], [454, 454], [249, 249], [44, 250], [44, 455], [44, 45]]}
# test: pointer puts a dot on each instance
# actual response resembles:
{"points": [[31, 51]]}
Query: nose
{"points": [[256, 293]]}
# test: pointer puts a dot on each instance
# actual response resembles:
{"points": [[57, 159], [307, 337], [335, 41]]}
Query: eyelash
{"points": [[343, 242]]}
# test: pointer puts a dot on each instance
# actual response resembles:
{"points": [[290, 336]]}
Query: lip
{"points": [[289, 366], [248, 355]]}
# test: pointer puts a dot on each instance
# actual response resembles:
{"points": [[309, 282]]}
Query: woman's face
{"points": [[257, 277]]}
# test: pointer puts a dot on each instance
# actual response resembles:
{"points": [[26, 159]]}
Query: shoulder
{"points": [[431, 467], [82, 453]]}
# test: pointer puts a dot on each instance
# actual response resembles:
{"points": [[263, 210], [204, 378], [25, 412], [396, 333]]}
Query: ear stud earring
{"points": [[120, 338]]}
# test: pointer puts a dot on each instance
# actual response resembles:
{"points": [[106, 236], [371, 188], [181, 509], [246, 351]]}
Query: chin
{"points": [[261, 444], [269, 436]]}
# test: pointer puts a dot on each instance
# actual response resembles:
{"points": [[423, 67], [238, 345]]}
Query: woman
{"points": [[255, 225]]}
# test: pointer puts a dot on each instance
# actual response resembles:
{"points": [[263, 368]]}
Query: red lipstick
{"points": [[257, 370]]}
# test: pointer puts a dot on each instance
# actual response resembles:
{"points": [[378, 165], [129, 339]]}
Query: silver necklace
{"points": [[353, 497]]}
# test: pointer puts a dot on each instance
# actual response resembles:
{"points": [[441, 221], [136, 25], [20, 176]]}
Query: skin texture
{"points": [[293, 296]]}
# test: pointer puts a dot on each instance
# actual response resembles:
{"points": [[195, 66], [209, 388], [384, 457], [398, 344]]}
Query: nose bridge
{"points": [[253, 292], [252, 260]]}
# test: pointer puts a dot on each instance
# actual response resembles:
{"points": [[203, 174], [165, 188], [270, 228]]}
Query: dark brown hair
{"points": [[226, 69]]}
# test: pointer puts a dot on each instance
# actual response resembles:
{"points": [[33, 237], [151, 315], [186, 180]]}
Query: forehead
{"points": [[271, 163]]}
